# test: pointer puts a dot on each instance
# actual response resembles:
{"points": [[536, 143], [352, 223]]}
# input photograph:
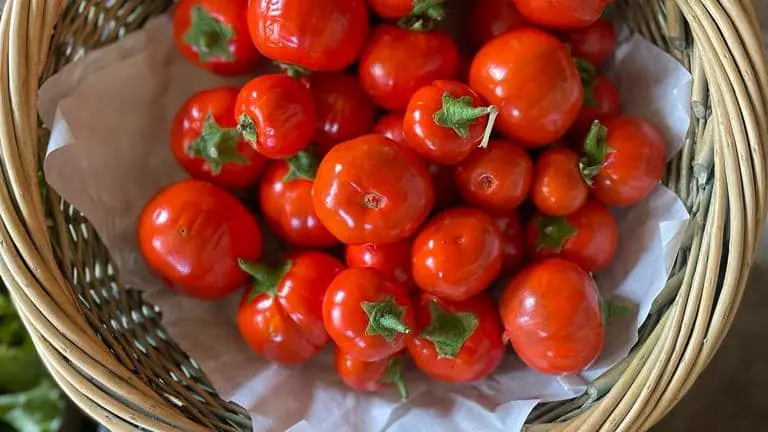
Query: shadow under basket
{"points": [[108, 350]]}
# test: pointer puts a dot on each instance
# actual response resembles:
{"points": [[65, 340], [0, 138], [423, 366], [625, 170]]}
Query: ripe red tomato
{"points": [[504, 71], [551, 315], [457, 254], [391, 126], [587, 237], [206, 143], [562, 14], [394, 9], [192, 233], [370, 190], [558, 188], [595, 43], [457, 341], [342, 109], [276, 115], [513, 245], [213, 34], [281, 316], [446, 120], [320, 35], [370, 376], [625, 163], [397, 62], [392, 259], [497, 178], [602, 101], [367, 314], [491, 18], [285, 199]]}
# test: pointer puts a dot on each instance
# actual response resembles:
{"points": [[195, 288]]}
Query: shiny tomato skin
{"points": [[480, 354], [288, 210], [392, 259], [558, 188], [457, 254], [607, 105], [634, 166], [371, 190], [491, 18], [358, 374], [593, 244], [595, 43], [532, 78], [513, 237], [551, 315], [287, 327], [244, 56], [319, 35], [188, 126], [192, 233], [397, 62], [346, 321], [435, 143], [391, 126], [562, 14], [497, 178], [282, 113], [342, 109]]}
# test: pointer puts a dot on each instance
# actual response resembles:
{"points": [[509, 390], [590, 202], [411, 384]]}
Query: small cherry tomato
{"points": [[457, 341], [530, 76], [342, 109], [491, 18], [285, 199], [371, 376], [595, 43], [623, 160], [497, 178], [558, 188], [392, 259], [446, 120], [371, 190], [513, 238], [281, 315], [602, 101], [319, 35], [276, 115], [562, 14], [457, 254], [192, 234], [398, 62], [587, 237], [391, 126], [368, 314], [394, 9], [206, 143], [213, 34]]}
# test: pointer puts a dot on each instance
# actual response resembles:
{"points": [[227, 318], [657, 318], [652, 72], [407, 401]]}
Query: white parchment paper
{"points": [[110, 115]]}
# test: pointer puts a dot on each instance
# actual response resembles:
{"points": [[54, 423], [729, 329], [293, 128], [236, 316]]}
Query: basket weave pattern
{"points": [[108, 350]]}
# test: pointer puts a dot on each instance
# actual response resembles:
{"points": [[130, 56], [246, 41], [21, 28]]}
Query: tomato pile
{"points": [[471, 207]]}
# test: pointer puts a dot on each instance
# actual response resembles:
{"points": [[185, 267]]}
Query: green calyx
{"points": [[588, 74], [394, 375], [302, 166], [449, 331], [611, 309], [217, 145], [247, 127], [293, 71], [423, 15], [459, 114], [596, 149], [553, 232], [385, 318], [208, 36], [265, 279]]}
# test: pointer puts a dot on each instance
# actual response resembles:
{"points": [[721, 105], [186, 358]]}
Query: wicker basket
{"points": [[107, 349]]}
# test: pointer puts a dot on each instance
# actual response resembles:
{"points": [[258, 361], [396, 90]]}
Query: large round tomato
{"points": [[558, 188], [371, 190], [602, 101], [318, 35], [192, 234], [551, 314], [397, 62], [497, 178], [281, 315], [285, 199], [457, 254], [513, 237], [595, 43], [370, 376], [457, 341], [276, 115], [530, 75], [562, 14], [491, 18], [368, 314], [392, 259], [213, 34]]}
